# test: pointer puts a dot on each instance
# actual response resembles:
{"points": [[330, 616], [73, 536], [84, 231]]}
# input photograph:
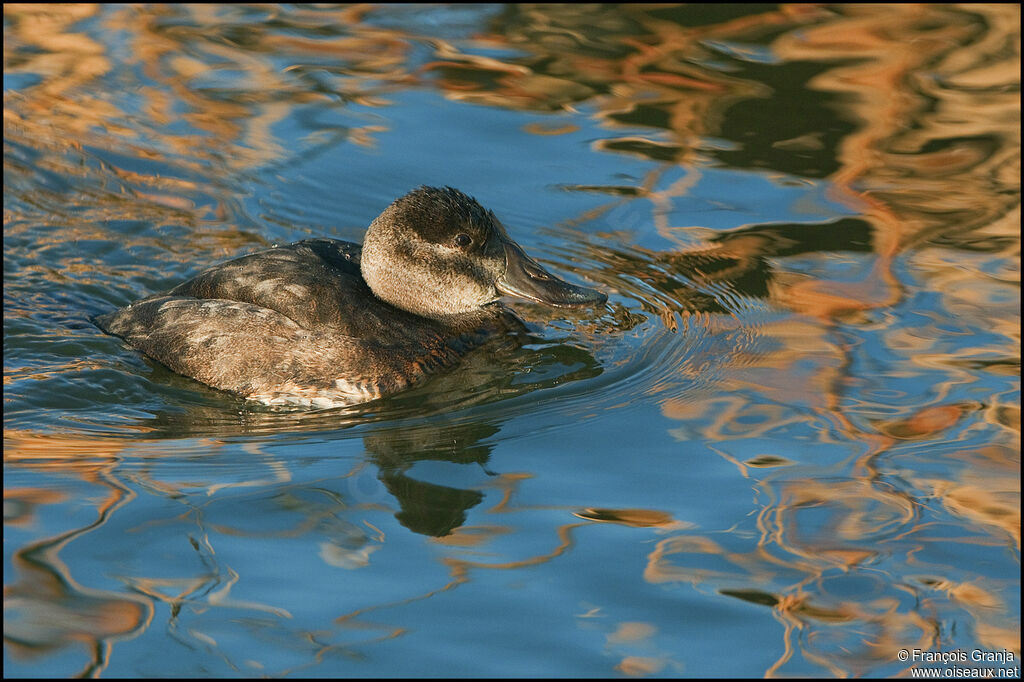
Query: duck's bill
{"points": [[526, 278]]}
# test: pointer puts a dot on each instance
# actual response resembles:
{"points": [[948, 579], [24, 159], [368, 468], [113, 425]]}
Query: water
{"points": [[788, 446]]}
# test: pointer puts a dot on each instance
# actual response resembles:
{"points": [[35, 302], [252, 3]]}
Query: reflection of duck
{"points": [[325, 322], [430, 508]]}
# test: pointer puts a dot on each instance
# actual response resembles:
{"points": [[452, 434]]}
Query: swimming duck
{"points": [[324, 322]]}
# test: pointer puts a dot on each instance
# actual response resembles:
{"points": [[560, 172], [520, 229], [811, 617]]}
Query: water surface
{"points": [[789, 445]]}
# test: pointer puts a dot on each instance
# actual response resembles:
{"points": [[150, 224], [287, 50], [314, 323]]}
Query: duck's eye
{"points": [[462, 239]]}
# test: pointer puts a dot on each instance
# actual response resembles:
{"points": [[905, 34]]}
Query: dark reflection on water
{"points": [[797, 420], [425, 507]]}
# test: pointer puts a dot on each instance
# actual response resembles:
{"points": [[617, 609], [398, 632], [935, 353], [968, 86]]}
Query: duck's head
{"points": [[437, 252]]}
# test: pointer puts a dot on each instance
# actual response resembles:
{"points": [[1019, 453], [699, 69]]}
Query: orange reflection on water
{"points": [[68, 59], [45, 608], [636, 518]]}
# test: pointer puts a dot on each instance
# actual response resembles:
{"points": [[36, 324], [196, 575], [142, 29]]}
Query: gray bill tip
{"points": [[526, 278]]}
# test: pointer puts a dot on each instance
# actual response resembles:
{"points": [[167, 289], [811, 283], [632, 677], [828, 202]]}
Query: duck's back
{"points": [[294, 325]]}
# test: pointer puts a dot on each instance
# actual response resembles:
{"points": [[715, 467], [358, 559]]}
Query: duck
{"points": [[328, 323]]}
